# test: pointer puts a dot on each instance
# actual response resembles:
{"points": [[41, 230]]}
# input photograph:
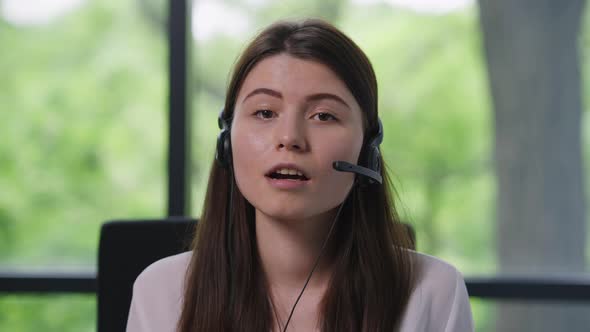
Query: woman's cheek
{"points": [[247, 149], [346, 150], [257, 142]]}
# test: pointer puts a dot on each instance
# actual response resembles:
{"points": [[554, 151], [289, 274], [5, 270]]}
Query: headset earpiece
{"points": [[372, 155], [223, 153]]}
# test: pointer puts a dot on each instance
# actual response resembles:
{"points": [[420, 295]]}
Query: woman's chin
{"points": [[292, 216], [286, 216]]}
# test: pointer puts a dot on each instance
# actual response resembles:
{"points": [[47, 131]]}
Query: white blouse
{"points": [[439, 303]]}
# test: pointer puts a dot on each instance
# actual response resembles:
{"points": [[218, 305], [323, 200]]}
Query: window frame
{"points": [[527, 288]]}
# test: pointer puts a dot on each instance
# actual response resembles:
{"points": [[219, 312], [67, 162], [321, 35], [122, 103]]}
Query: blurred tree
{"points": [[534, 71], [154, 11], [82, 100]]}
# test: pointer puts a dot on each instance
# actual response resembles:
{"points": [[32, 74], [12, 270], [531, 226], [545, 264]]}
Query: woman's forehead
{"points": [[294, 78]]}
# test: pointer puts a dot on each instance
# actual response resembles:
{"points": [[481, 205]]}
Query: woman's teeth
{"points": [[291, 174], [286, 171]]}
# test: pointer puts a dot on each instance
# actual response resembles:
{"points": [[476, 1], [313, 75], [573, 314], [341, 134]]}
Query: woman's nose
{"points": [[291, 135]]}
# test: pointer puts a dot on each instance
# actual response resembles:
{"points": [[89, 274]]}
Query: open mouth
{"points": [[287, 174]]}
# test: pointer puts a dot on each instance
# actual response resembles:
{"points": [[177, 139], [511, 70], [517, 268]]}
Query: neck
{"points": [[289, 248]]}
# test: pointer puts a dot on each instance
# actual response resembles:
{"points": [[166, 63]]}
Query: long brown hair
{"points": [[372, 278]]}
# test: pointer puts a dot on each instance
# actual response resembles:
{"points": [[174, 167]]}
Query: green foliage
{"points": [[48, 313], [82, 124], [82, 132]]}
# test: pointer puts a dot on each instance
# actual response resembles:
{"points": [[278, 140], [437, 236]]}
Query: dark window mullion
{"points": [[48, 282], [533, 289], [179, 128]]}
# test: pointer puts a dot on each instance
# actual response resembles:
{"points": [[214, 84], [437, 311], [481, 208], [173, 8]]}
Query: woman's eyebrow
{"points": [[266, 91], [325, 95], [313, 97]]}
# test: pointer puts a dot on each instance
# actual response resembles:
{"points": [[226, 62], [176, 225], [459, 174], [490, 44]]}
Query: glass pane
{"points": [[49, 313], [437, 131], [83, 95], [439, 122]]}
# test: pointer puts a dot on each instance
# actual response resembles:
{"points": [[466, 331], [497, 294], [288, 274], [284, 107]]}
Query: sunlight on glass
{"points": [[36, 12], [211, 18], [423, 6], [256, 3]]}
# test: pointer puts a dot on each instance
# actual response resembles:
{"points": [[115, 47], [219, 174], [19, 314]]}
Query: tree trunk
{"points": [[534, 71]]}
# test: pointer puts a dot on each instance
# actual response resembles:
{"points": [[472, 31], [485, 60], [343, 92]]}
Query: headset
{"points": [[370, 160], [368, 173], [223, 152]]}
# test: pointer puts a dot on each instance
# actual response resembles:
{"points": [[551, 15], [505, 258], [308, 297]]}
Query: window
{"points": [[83, 119], [83, 112]]}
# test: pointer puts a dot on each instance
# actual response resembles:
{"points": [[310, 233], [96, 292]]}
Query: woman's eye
{"points": [[324, 117], [264, 114]]}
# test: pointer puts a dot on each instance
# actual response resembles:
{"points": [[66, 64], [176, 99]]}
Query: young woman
{"points": [[299, 231]]}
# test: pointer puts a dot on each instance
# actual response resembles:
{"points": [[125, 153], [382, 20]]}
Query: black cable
{"points": [[228, 239], [319, 256]]}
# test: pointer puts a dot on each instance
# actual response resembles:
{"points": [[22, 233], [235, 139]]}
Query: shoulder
{"points": [[165, 270], [157, 295], [439, 300], [432, 272], [163, 279]]}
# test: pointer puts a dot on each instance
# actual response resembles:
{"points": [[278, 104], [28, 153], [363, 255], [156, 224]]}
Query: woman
{"points": [[294, 236]]}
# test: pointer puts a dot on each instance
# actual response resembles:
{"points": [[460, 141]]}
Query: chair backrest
{"points": [[126, 248]]}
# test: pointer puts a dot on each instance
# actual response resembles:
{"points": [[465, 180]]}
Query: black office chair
{"points": [[126, 248]]}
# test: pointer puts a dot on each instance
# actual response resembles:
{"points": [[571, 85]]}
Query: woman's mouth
{"points": [[287, 174], [287, 178]]}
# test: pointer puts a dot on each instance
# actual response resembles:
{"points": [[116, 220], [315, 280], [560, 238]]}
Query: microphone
{"points": [[344, 166]]}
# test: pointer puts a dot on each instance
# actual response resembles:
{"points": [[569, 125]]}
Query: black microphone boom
{"points": [[344, 166]]}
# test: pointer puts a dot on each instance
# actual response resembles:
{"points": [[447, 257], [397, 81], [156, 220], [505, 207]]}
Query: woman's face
{"points": [[296, 112]]}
